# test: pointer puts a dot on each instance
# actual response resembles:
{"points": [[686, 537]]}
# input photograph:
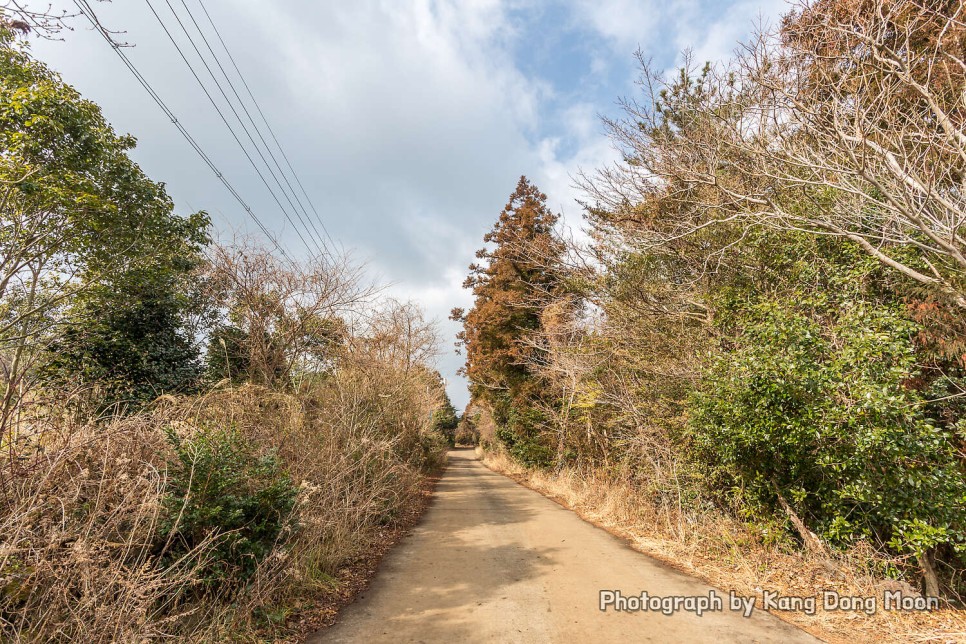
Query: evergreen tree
{"points": [[126, 337], [516, 279], [446, 420]]}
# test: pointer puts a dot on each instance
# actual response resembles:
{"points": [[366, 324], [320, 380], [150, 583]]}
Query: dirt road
{"points": [[495, 562]]}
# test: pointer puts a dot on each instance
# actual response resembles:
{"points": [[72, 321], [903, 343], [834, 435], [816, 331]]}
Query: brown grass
{"points": [[80, 509], [721, 551]]}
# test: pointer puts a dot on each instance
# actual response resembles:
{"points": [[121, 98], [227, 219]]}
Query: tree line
{"points": [[196, 437], [768, 320]]}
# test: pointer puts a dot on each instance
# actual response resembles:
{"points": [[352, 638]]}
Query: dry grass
{"points": [[77, 524], [721, 551], [81, 505]]}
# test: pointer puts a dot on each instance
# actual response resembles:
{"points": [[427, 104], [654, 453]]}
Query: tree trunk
{"points": [[812, 542], [929, 576]]}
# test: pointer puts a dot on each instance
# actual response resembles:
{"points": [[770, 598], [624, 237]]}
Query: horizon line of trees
{"points": [[769, 319]]}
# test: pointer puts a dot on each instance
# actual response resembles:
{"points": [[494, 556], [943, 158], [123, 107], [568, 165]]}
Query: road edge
{"points": [[355, 577], [629, 539]]}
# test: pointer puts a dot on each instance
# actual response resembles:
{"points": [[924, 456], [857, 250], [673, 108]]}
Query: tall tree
{"points": [[81, 226], [518, 276], [129, 335], [445, 418]]}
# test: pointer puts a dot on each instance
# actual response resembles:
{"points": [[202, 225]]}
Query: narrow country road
{"points": [[495, 562]]}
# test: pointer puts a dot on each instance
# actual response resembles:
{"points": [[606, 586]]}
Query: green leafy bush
{"points": [[820, 411], [219, 490], [519, 432]]}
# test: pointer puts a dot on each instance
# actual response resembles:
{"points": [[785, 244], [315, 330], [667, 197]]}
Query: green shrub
{"points": [[227, 501], [525, 450], [821, 411]]}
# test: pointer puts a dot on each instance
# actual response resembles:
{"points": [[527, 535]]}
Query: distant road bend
{"points": [[495, 562]]}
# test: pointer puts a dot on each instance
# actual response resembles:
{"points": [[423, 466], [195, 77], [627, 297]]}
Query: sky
{"points": [[408, 122]]}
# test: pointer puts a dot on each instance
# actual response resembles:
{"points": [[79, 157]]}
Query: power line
{"points": [[318, 237], [88, 12], [268, 125], [251, 120], [228, 125]]}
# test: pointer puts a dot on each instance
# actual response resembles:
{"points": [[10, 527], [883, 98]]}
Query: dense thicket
{"points": [[771, 322], [195, 438]]}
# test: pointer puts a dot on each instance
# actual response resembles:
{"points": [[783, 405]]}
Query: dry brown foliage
{"points": [[80, 510], [847, 121]]}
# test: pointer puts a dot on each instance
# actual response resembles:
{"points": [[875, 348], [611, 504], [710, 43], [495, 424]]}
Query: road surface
{"points": [[493, 561]]}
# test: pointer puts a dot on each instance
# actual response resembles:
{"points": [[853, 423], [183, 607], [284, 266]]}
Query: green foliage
{"points": [[446, 420], [95, 264], [83, 204], [130, 354], [222, 494], [518, 429], [128, 335], [823, 414]]}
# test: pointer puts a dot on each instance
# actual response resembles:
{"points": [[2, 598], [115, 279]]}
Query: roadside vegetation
{"points": [[195, 437], [756, 365], [755, 368]]}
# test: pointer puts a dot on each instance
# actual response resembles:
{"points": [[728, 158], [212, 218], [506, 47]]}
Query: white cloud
{"points": [[590, 149], [626, 23], [714, 35]]}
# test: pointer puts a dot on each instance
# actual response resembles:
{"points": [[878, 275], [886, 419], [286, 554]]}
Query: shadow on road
{"points": [[495, 562]]}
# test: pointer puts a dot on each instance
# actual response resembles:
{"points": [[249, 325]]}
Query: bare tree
{"points": [[563, 358], [848, 121], [288, 312], [26, 18], [398, 334]]}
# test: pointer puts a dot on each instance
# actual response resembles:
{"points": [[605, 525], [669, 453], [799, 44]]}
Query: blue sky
{"points": [[408, 122]]}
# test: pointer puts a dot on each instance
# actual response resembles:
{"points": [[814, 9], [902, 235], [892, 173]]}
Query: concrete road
{"points": [[495, 562]]}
